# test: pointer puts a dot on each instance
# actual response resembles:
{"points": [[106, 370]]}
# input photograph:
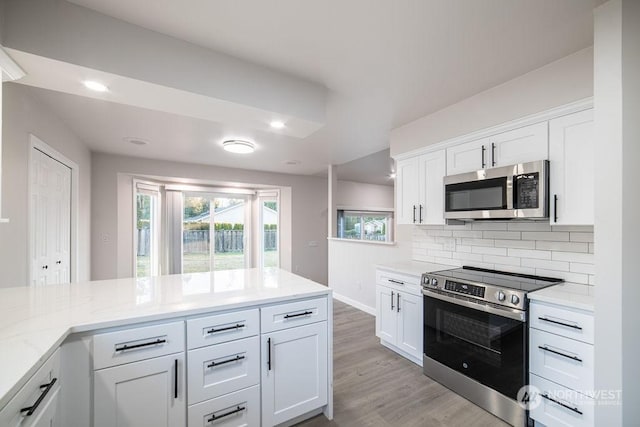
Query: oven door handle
{"points": [[518, 315]]}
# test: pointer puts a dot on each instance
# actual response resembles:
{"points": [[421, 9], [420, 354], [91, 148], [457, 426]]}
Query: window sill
{"points": [[367, 242]]}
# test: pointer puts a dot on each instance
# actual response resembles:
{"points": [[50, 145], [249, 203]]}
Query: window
{"points": [[147, 230], [269, 219], [365, 225], [222, 249]]}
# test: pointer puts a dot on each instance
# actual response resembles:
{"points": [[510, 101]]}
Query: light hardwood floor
{"points": [[373, 386]]}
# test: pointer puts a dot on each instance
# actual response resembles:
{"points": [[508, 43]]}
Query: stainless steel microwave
{"points": [[511, 192]]}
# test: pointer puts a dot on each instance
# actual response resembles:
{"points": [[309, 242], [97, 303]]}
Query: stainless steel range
{"points": [[476, 335]]}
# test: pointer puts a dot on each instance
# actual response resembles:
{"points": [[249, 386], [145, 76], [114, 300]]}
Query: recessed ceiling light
{"points": [[392, 175], [96, 86], [136, 141], [277, 124], [239, 146]]}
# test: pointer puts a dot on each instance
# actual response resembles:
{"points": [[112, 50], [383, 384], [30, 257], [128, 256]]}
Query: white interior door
{"points": [[50, 220]]}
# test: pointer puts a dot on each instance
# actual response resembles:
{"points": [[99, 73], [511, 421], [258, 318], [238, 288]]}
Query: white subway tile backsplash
{"points": [[528, 226], [520, 244], [582, 237], [576, 267], [565, 252], [505, 235], [468, 233], [489, 226], [463, 256], [546, 264], [557, 236], [476, 242], [487, 250], [563, 246], [502, 260], [526, 253], [573, 257]]}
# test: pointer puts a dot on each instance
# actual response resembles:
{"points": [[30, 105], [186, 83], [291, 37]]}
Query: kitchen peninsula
{"points": [[202, 346]]}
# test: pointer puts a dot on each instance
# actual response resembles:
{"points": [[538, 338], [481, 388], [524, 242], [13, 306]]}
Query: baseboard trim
{"points": [[355, 304]]}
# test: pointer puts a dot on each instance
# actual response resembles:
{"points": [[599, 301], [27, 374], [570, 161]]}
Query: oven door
{"points": [[478, 342]]}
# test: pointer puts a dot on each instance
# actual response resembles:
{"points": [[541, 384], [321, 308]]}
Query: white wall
{"points": [[561, 82], [352, 274], [617, 201], [359, 195], [112, 210], [22, 115]]}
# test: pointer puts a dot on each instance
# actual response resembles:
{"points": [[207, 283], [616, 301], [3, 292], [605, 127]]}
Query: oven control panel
{"points": [[464, 288]]}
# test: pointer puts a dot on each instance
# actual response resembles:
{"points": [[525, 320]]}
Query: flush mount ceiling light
{"points": [[277, 124], [95, 86], [238, 146], [136, 141]]}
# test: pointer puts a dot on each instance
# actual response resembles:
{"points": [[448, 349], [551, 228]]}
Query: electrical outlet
{"points": [[106, 238]]}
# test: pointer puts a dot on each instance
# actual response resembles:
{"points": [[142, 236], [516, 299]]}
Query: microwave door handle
{"points": [[511, 191]]}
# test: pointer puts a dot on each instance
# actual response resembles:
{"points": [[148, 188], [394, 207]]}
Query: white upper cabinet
{"points": [[572, 167], [525, 144], [432, 171], [407, 190], [419, 197]]}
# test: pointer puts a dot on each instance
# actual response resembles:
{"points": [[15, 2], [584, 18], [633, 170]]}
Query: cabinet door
{"points": [[468, 157], [294, 372], [432, 171], [526, 144], [572, 167], [386, 316], [141, 393], [410, 324], [48, 416], [407, 190]]}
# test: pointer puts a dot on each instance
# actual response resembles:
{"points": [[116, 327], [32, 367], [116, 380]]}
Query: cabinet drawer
{"points": [[48, 374], [563, 321], [223, 327], [561, 360], [130, 345], [298, 313], [222, 368], [399, 281], [238, 409], [560, 406]]}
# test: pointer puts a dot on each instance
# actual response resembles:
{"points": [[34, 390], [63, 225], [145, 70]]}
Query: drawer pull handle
{"points": [[226, 414], [306, 313], [228, 328], [544, 319], [559, 353], [396, 281], [224, 362], [564, 405], [47, 388], [146, 344], [175, 377]]}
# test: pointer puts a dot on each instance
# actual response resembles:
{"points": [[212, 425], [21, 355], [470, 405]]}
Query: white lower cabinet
{"points": [[399, 314], [36, 404], [145, 393], [294, 372], [237, 409], [561, 365]]}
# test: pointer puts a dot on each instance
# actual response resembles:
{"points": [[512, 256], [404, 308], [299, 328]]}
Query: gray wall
{"points": [[362, 196], [112, 210], [23, 115], [561, 82]]}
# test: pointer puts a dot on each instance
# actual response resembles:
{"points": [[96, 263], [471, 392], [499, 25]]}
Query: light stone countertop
{"points": [[34, 321], [573, 295], [415, 268]]}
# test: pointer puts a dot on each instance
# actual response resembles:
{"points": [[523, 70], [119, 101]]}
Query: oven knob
{"points": [[514, 299], [434, 282], [501, 296], [426, 280]]}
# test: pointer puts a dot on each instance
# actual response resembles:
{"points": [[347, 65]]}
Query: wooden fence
{"points": [[197, 241]]}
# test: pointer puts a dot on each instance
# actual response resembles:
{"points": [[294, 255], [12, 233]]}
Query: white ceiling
{"points": [[385, 63]]}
